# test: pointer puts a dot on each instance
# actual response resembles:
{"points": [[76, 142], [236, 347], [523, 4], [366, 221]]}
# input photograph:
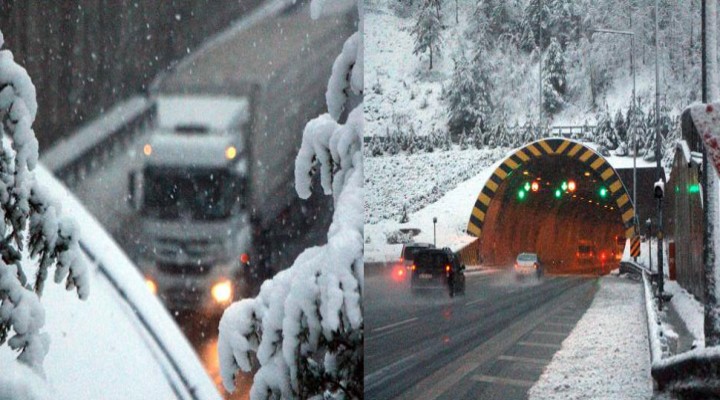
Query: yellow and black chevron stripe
{"points": [[554, 147]]}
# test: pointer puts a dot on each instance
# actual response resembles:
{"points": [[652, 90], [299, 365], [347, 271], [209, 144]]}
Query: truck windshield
{"points": [[172, 193]]}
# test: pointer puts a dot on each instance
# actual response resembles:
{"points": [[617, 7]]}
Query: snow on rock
{"points": [[605, 356], [305, 327]]}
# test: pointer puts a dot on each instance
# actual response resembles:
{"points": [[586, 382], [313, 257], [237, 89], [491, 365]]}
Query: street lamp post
{"points": [[658, 161], [434, 236], [648, 225]]}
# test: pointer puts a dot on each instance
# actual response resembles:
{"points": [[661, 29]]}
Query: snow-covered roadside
{"points": [[452, 212], [689, 309], [415, 180], [606, 354]]}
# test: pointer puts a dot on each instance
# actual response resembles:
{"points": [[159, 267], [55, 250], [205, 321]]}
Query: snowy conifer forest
{"points": [[483, 87]]}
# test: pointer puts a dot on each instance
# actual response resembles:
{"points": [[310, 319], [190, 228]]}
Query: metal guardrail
{"points": [[73, 158], [566, 131], [635, 268], [694, 374]]}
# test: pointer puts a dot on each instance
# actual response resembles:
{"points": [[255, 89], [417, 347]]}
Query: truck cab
{"points": [[190, 191]]}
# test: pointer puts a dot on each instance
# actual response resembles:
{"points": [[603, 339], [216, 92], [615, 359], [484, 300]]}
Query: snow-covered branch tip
{"points": [[26, 211], [305, 328]]}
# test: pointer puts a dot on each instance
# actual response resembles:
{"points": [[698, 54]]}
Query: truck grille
{"points": [[181, 299], [184, 269], [171, 249]]}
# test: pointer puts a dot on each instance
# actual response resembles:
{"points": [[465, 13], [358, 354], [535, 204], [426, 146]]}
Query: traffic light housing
{"points": [[659, 189]]}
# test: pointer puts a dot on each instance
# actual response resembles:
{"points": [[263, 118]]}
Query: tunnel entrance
{"points": [[559, 199]]}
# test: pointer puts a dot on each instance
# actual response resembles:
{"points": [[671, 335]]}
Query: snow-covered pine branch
{"points": [[305, 327], [28, 217]]}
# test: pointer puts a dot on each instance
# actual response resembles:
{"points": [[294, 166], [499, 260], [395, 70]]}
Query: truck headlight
{"points": [[222, 291], [151, 285]]}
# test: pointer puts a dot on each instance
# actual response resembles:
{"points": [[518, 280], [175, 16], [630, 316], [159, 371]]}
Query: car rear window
{"points": [[409, 253], [585, 249], [527, 257], [432, 260]]}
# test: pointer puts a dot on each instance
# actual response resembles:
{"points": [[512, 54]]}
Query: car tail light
{"points": [[577, 254], [413, 267], [447, 268], [401, 259]]}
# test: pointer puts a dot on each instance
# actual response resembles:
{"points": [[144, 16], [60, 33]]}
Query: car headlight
{"points": [[222, 291]]}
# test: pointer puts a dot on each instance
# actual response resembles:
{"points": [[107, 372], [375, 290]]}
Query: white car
{"points": [[528, 264], [120, 343]]}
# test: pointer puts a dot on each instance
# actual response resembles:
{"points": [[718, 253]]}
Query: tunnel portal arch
{"points": [[549, 148]]}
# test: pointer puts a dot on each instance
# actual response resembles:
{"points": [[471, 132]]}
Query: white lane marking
{"points": [[562, 334], [528, 360], [562, 324], [469, 303], [503, 381], [393, 325], [536, 344]]}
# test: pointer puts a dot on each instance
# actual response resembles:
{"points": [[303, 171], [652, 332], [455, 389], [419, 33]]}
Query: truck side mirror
{"points": [[135, 190]]}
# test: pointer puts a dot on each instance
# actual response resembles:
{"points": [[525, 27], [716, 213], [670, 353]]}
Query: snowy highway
{"points": [[491, 343]]}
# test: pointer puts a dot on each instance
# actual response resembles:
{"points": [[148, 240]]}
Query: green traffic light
{"points": [[564, 186], [694, 188], [527, 186], [558, 193], [603, 192], [521, 194]]}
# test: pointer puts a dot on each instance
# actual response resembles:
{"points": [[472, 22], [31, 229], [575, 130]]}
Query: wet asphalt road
{"points": [[492, 343]]}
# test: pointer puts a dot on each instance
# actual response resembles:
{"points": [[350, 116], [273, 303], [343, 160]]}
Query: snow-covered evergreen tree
{"points": [[428, 31], [468, 97], [635, 121], [554, 78], [35, 238], [620, 128], [605, 133], [305, 327], [535, 23]]}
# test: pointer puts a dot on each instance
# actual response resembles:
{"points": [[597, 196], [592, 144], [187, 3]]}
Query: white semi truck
{"points": [[215, 188]]}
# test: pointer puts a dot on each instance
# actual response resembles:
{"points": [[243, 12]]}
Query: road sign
{"points": [[635, 246]]}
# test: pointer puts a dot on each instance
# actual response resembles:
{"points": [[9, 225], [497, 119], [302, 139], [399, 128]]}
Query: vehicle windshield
{"points": [[527, 257], [171, 193]]}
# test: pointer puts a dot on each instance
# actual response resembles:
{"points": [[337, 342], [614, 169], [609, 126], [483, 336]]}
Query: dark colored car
{"points": [[437, 269], [407, 256]]}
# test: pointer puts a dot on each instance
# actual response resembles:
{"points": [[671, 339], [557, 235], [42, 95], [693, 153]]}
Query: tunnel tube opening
{"points": [[560, 207]]}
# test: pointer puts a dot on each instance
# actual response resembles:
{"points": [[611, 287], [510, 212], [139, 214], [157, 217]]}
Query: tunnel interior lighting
{"points": [[571, 186], [603, 192], [587, 173], [694, 188], [525, 172]]}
